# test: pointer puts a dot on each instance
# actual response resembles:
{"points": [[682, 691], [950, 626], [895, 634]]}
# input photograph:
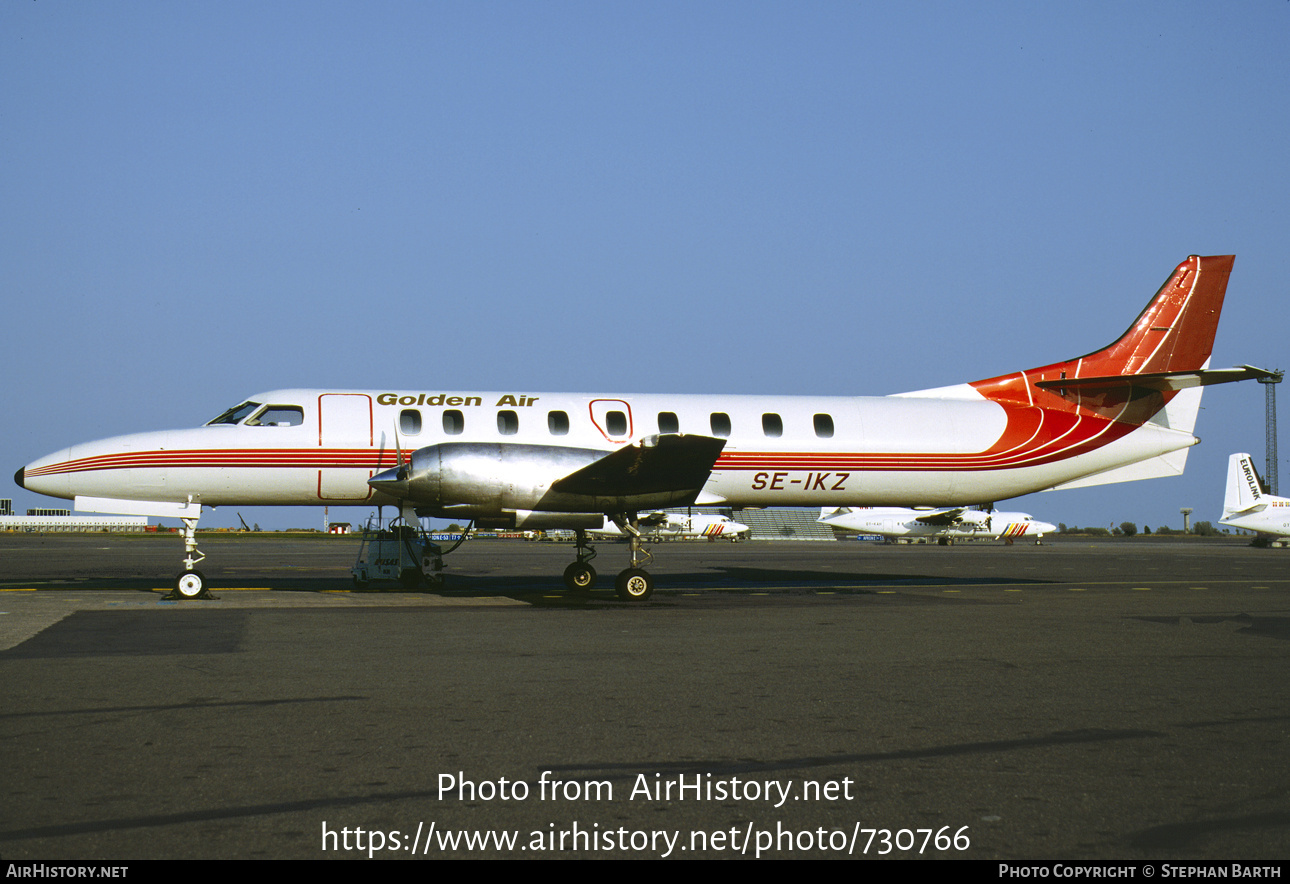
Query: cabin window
{"points": [[616, 423], [668, 423], [558, 423], [508, 423], [824, 426], [720, 424], [234, 414], [772, 425], [278, 416], [410, 421], [454, 422]]}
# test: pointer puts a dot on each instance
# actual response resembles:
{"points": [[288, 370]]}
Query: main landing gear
{"points": [[191, 583], [580, 576], [634, 584]]}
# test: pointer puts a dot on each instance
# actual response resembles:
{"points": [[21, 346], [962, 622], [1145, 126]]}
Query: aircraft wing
{"points": [[657, 465], [941, 517]]}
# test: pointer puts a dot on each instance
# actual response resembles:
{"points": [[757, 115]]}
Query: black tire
{"points": [[580, 577], [634, 585], [190, 585]]}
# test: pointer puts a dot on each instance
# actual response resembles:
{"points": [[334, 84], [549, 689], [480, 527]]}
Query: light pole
{"points": [[1270, 464]]}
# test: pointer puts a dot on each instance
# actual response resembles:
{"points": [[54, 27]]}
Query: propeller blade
{"points": [[398, 453]]}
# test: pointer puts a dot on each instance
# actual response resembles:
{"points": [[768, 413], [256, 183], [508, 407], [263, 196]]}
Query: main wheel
{"points": [[634, 585], [579, 577], [190, 584]]}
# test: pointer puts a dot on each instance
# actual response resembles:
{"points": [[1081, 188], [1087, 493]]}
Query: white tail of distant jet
{"points": [[943, 525], [560, 460], [1246, 505]]}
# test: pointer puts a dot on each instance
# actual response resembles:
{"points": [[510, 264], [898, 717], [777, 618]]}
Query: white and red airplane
{"points": [[944, 525], [1246, 505], [518, 460], [666, 526]]}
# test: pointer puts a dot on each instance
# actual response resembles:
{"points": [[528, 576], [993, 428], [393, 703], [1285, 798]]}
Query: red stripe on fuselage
{"points": [[1033, 437], [305, 458]]}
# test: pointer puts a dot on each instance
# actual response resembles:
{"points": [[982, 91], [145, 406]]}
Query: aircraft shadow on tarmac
{"points": [[733, 580], [737, 580], [1266, 627]]}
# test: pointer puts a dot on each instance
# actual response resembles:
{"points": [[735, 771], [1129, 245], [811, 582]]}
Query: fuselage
{"points": [[1274, 520], [309, 447]]}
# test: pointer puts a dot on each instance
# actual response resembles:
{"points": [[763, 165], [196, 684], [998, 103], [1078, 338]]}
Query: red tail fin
{"points": [[1152, 374], [1175, 333]]}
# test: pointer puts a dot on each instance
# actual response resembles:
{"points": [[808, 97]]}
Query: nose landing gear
{"points": [[191, 583]]}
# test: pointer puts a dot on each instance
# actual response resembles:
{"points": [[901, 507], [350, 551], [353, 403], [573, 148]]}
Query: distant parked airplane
{"points": [[667, 525], [1246, 505], [946, 525]]}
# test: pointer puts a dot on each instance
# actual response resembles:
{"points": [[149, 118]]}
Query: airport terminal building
{"points": [[55, 520]]}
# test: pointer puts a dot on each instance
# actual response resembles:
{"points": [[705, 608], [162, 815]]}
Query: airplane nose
{"points": [[18, 477]]}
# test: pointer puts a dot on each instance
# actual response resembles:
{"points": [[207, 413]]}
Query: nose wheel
{"points": [[191, 583]]}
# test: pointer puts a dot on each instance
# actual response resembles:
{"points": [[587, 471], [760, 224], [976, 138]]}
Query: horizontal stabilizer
{"points": [[1161, 381], [657, 464]]}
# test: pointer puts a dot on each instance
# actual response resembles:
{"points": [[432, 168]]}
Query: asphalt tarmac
{"points": [[1080, 700]]}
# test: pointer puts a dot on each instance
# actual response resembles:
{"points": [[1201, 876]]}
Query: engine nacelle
{"points": [[499, 480], [485, 480]]}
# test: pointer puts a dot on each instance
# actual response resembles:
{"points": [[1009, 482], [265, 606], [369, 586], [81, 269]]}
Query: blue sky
{"points": [[200, 201]]}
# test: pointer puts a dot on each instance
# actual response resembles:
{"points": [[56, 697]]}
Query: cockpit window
{"points": [[234, 414], [278, 416]]}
